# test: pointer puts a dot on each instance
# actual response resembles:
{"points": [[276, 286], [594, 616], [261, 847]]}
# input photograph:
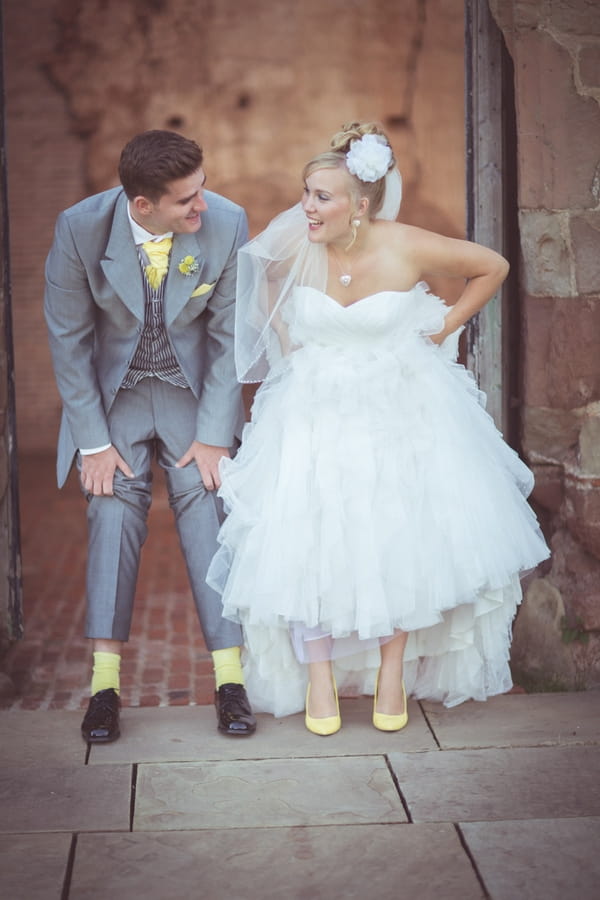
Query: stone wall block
{"points": [[537, 314], [589, 443], [558, 129], [589, 66], [519, 14], [582, 511], [550, 435], [537, 650], [574, 17], [572, 366], [585, 235], [573, 565], [561, 351], [548, 490], [546, 254], [588, 608]]}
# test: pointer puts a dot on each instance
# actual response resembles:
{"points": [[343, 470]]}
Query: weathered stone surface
{"points": [[575, 17], [589, 442], [320, 863], [48, 798], [33, 865], [259, 110], [521, 720], [549, 434], [556, 165], [553, 859], [265, 793], [472, 785], [575, 575], [545, 248], [185, 733], [588, 610], [536, 335], [589, 66], [561, 351], [516, 720], [585, 234], [537, 647], [569, 436], [517, 14], [31, 740], [7, 688], [548, 491], [582, 509]]}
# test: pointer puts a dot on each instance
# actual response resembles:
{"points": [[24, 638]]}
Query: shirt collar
{"points": [[140, 235]]}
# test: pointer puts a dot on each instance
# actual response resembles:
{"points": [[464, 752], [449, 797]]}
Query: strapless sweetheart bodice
{"points": [[315, 318]]}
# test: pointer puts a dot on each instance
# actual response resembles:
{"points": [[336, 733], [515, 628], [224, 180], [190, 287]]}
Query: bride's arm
{"points": [[483, 269], [277, 276]]}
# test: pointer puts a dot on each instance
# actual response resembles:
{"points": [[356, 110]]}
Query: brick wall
{"points": [[261, 84]]}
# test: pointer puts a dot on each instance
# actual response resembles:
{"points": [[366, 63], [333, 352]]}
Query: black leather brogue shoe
{"points": [[234, 715], [101, 721]]}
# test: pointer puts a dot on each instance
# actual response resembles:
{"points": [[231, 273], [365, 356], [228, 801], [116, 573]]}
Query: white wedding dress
{"points": [[372, 492]]}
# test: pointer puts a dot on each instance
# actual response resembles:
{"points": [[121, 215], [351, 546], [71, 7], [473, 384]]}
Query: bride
{"points": [[377, 521]]}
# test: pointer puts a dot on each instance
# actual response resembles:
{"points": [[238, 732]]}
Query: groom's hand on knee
{"points": [[207, 458], [98, 471]]}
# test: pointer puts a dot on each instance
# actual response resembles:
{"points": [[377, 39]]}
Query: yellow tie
{"points": [[158, 254]]}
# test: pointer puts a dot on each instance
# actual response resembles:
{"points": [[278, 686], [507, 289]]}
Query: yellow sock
{"points": [[228, 666], [106, 671]]}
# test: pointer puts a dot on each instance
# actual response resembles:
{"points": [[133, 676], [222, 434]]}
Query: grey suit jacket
{"points": [[94, 307]]}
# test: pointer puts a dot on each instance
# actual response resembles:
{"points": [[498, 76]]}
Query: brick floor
{"points": [[165, 663]]}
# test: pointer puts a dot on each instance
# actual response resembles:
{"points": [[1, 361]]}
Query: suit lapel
{"points": [[179, 287], [121, 263]]}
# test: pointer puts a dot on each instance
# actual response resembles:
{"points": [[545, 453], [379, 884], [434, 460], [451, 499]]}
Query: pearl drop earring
{"points": [[356, 222]]}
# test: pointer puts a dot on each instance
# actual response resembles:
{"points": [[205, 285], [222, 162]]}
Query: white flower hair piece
{"points": [[369, 158]]}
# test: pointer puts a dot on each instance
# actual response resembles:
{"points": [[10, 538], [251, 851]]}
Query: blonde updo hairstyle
{"points": [[335, 158]]}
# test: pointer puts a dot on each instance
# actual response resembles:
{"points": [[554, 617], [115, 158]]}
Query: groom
{"points": [[139, 303]]}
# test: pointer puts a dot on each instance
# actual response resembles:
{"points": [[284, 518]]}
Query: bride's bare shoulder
{"points": [[399, 232]]}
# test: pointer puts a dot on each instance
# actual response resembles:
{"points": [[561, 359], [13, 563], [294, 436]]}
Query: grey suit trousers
{"points": [[153, 420]]}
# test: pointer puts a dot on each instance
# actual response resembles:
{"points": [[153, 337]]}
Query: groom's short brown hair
{"points": [[154, 158]]}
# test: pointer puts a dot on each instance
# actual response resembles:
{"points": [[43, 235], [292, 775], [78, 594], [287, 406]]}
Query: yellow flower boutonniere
{"points": [[202, 289], [188, 265]]}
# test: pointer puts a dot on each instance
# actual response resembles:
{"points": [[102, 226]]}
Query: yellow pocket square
{"points": [[202, 289]]}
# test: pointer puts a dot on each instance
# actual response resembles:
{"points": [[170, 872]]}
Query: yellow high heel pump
{"points": [[326, 725], [389, 723]]}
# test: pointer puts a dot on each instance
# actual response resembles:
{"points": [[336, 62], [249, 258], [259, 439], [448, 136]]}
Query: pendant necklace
{"points": [[344, 278]]}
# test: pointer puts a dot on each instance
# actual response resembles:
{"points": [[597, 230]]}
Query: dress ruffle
{"points": [[372, 492]]}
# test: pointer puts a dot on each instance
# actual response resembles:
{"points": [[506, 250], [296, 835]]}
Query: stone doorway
{"points": [[260, 109]]}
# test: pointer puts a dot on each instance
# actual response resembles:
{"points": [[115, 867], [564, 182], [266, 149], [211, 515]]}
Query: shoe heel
{"points": [[383, 722], [327, 725]]}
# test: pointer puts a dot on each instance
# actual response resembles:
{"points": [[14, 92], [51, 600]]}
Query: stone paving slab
{"points": [[30, 738], [488, 785], [188, 733], [538, 859], [518, 720], [255, 793], [53, 798], [33, 865], [323, 863]]}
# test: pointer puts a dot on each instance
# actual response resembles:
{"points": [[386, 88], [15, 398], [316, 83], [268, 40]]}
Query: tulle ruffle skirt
{"points": [[373, 493]]}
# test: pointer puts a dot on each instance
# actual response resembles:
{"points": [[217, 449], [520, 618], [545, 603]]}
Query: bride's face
{"points": [[328, 206]]}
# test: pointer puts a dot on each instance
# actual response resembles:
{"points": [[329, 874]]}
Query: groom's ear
{"points": [[142, 206]]}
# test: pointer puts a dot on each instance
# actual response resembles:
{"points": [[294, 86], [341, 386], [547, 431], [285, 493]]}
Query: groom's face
{"points": [[179, 209]]}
